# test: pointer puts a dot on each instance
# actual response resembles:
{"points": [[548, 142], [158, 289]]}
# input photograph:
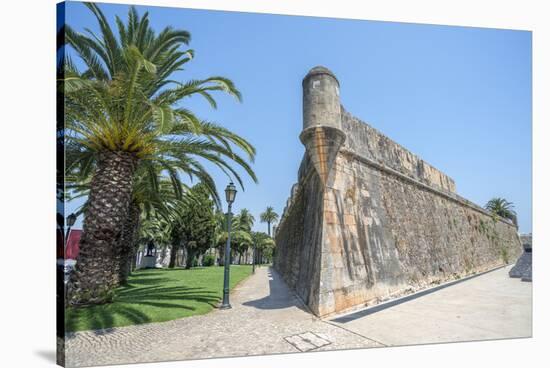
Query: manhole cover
{"points": [[307, 341]]}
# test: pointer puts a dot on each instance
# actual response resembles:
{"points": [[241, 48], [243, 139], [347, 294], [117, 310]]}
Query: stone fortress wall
{"points": [[369, 221]]}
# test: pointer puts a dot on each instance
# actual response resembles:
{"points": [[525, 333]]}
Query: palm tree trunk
{"points": [[190, 256], [127, 247], [96, 275], [176, 245], [269, 228], [134, 257], [181, 261], [261, 257], [221, 256], [173, 254]]}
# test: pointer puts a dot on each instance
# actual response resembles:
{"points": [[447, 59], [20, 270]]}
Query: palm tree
{"points": [[154, 229], [152, 196], [159, 199], [240, 235], [123, 112], [263, 243], [269, 216], [245, 220], [502, 208]]}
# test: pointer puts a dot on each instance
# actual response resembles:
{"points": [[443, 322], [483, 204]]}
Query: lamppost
{"points": [[230, 193]]}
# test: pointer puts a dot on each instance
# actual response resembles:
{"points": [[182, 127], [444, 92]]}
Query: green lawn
{"points": [[156, 296]]}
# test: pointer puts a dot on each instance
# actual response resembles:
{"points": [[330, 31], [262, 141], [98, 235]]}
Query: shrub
{"points": [[208, 260], [504, 253]]}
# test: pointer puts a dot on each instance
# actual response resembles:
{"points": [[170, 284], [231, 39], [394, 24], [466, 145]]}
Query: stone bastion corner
{"points": [[368, 220]]}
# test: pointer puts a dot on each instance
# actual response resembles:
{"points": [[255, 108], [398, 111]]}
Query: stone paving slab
{"points": [[308, 341], [264, 315]]}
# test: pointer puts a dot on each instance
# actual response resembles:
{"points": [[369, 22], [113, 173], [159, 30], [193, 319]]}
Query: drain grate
{"points": [[308, 341]]}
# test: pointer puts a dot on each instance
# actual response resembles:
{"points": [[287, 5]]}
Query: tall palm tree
{"points": [[269, 216], [154, 229], [161, 200], [263, 243], [240, 233], [502, 208], [245, 220], [123, 112], [152, 196]]}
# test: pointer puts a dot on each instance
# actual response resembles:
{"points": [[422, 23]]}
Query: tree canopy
{"points": [[502, 208]]}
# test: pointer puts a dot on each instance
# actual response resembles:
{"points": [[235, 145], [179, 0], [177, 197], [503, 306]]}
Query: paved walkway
{"points": [[266, 318], [485, 307]]}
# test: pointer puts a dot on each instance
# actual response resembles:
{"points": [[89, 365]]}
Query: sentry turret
{"points": [[322, 133]]}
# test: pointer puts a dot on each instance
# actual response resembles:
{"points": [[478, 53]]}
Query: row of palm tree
{"points": [[128, 140], [199, 229], [243, 238]]}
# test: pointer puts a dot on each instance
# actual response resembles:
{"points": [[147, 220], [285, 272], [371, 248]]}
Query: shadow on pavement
{"points": [[279, 297]]}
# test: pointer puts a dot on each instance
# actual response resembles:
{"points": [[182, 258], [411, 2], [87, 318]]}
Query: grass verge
{"points": [[157, 295]]}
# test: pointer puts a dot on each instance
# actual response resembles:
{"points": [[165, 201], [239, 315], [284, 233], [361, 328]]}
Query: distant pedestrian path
{"points": [[266, 318]]}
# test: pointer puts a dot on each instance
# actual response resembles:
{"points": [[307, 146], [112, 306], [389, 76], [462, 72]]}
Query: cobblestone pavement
{"points": [[266, 318]]}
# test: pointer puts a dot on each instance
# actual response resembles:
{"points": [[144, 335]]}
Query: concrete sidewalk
{"points": [[266, 318], [490, 306]]}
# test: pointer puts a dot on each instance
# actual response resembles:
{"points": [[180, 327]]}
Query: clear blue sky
{"points": [[458, 97]]}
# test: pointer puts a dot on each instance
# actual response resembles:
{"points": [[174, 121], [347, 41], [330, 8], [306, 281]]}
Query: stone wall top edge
{"points": [[448, 195], [349, 115]]}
